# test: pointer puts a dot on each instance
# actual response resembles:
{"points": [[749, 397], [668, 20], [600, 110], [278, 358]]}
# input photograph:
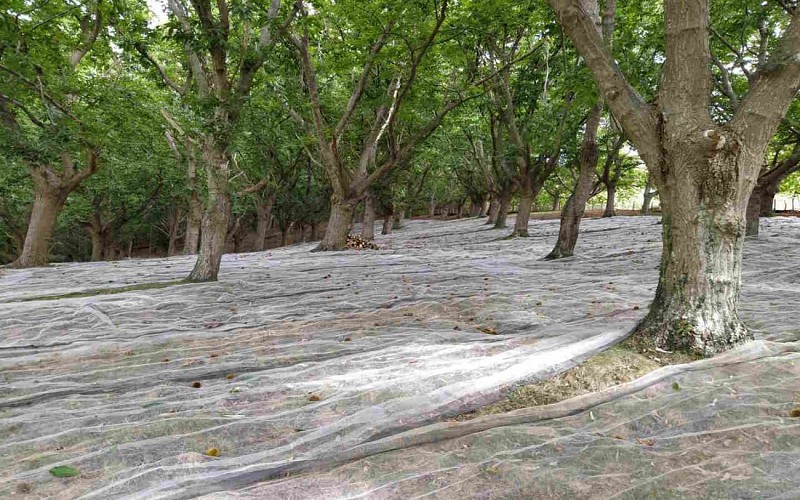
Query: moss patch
{"points": [[620, 364]]}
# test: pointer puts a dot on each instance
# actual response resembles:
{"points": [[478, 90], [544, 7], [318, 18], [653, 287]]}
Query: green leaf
{"points": [[64, 471], [675, 386]]}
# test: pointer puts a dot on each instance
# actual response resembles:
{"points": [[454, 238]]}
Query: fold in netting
{"points": [[320, 365]]}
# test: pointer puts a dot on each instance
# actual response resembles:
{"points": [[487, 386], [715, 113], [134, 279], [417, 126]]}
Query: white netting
{"points": [[327, 351]]}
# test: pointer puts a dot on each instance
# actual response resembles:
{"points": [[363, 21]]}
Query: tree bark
{"points": [[768, 202], [388, 225], [484, 209], [611, 200], [695, 308], [649, 194], [400, 219], [502, 212], [263, 220], [754, 211], [575, 208], [368, 227], [194, 216], [493, 211], [523, 214], [47, 204], [338, 225], [216, 216]]}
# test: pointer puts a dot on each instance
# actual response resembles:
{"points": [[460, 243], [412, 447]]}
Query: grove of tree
{"points": [[202, 128]]}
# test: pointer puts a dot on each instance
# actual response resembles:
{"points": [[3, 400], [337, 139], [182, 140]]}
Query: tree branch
{"points": [[89, 38], [627, 106], [773, 88]]}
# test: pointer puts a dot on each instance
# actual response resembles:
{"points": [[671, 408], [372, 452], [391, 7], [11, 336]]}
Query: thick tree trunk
{"points": [[338, 226], [703, 224], [502, 212], [523, 214], [611, 200], [368, 228], [216, 217], [47, 204], [263, 219]]}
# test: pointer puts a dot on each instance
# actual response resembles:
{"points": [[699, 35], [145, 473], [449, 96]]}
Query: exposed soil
{"points": [[627, 361]]}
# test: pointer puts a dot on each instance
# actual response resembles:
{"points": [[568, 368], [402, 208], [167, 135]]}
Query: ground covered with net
{"points": [[334, 375]]}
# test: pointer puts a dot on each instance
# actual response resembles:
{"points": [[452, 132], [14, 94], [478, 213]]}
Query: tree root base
{"points": [[679, 334]]}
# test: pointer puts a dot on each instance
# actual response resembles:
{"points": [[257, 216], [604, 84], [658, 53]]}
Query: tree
{"points": [[785, 161], [222, 54], [57, 65], [349, 132], [573, 211], [704, 171]]}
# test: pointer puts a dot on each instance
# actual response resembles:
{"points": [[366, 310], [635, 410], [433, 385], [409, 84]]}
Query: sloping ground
{"points": [[297, 361]]}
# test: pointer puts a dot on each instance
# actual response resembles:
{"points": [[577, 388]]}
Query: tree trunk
{"points": [[110, 249], [484, 209], [768, 202], [338, 225], [263, 219], [47, 204], [388, 224], [194, 216], [400, 218], [754, 211], [575, 208], [368, 227], [610, 211], [474, 209], [502, 212], [556, 203], [703, 224], [649, 194], [494, 210], [216, 217], [523, 214], [97, 244]]}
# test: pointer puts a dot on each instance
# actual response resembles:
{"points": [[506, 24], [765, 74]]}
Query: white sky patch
{"points": [[158, 13]]}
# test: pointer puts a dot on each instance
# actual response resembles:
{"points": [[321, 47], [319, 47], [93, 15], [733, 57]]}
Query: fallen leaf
{"points": [[64, 471]]}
